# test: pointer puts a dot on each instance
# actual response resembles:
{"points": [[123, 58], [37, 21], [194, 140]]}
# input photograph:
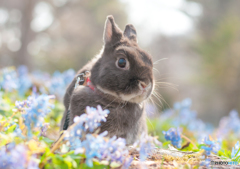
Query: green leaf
{"points": [[115, 165], [11, 129], [165, 144], [46, 140], [201, 145], [64, 148], [227, 154]]}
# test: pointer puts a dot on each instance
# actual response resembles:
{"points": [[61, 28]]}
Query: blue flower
{"points": [[44, 128], [150, 110], [145, 145], [59, 82], [68, 76], [24, 82], [87, 122], [185, 104], [90, 120], [183, 115], [206, 162], [33, 164], [211, 146], [229, 123], [100, 147], [127, 162], [13, 157], [8, 79], [95, 146], [35, 108], [235, 150], [173, 135]]}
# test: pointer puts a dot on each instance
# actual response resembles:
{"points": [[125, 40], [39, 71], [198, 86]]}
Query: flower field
{"points": [[31, 110]]}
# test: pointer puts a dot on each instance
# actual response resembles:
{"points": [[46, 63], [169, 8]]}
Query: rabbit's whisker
{"points": [[166, 84], [159, 60], [158, 95]]}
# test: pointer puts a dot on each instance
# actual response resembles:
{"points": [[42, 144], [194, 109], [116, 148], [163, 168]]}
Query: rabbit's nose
{"points": [[143, 85]]}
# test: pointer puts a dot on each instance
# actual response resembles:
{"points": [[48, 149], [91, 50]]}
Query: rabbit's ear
{"points": [[130, 32], [112, 33]]}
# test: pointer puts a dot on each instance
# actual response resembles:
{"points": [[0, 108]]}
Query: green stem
{"points": [[237, 152], [186, 138]]}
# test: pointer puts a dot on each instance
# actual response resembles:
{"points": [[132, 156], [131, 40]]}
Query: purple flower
{"points": [[33, 164], [127, 162], [13, 157], [44, 128], [173, 135]]}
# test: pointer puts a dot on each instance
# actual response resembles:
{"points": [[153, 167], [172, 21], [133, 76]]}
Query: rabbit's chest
{"points": [[125, 122]]}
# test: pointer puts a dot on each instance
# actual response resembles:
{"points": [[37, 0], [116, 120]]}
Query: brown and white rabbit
{"points": [[122, 78]]}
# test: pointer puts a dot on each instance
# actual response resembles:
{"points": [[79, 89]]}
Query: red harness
{"points": [[89, 84], [84, 79]]}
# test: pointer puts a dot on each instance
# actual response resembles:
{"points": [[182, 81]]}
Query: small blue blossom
{"points": [[91, 119], [59, 82], [95, 146], [13, 157], [68, 76], [211, 146], [150, 110], [87, 122], [145, 145], [44, 128], [206, 162], [185, 104], [183, 115], [127, 162], [228, 124], [33, 164], [35, 109], [57, 85], [8, 79], [17, 131], [173, 135], [113, 150], [235, 150], [24, 82]]}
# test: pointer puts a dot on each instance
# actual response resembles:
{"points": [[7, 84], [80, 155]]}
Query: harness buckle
{"points": [[81, 78]]}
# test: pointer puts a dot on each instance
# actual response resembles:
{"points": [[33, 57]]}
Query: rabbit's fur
{"points": [[121, 91]]}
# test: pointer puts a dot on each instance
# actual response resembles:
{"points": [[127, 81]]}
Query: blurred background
{"points": [[195, 43]]}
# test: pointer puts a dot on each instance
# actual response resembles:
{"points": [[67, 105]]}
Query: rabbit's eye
{"points": [[122, 63]]}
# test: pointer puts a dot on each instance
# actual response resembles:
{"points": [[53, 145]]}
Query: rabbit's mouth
{"points": [[144, 91], [136, 97]]}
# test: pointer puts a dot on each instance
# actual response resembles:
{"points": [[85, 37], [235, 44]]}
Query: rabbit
{"points": [[122, 79]]}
